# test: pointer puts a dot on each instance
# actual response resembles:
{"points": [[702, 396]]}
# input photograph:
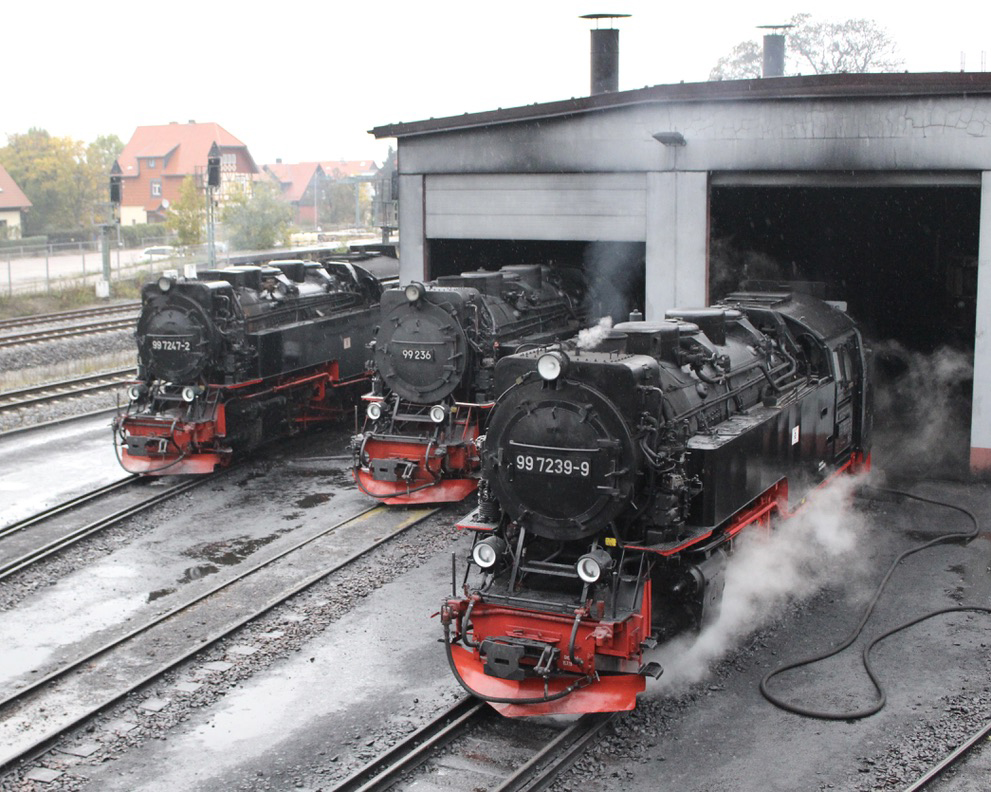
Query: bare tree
{"points": [[853, 46], [743, 63]]}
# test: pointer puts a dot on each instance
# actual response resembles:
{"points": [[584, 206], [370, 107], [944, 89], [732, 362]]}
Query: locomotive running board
{"points": [[416, 492], [607, 694]]}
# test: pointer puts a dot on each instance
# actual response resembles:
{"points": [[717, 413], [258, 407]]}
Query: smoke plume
{"points": [[616, 274], [922, 408], [590, 337], [821, 544]]}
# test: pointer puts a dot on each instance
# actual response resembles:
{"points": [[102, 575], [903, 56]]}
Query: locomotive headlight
{"points": [[135, 392], [551, 365], [591, 565], [488, 551], [374, 410], [189, 394], [414, 291], [165, 283], [438, 413]]}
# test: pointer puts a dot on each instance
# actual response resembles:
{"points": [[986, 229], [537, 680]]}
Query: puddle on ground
{"points": [[314, 500], [198, 572], [230, 551], [158, 594]]}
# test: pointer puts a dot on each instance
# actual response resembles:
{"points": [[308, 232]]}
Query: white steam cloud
{"points": [[800, 556], [922, 409], [591, 337]]}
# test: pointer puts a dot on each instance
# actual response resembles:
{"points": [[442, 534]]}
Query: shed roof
{"points": [[823, 86]]}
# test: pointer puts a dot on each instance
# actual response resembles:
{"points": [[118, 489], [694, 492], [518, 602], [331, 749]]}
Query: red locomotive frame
{"points": [[198, 443]]}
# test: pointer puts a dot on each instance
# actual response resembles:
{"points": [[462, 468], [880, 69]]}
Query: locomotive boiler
{"points": [[435, 349], [616, 479], [234, 357]]}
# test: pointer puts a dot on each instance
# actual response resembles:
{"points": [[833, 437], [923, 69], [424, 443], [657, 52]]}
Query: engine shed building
{"points": [[878, 185]]}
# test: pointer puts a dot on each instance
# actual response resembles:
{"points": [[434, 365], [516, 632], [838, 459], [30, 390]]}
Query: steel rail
{"points": [[537, 773], [42, 744], [20, 430], [64, 389], [414, 749], [38, 336], [958, 753], [557, 756], [15, 565], [65, 506], [68, 316]]}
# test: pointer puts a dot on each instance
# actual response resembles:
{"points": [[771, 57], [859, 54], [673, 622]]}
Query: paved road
{"points": [[32, 274]]}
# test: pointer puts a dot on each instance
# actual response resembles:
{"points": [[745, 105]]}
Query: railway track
{"points": [[64, 389], [69, 316], [90, 328], [44, 534], [482, 749], [957, 760], [35, 716]]}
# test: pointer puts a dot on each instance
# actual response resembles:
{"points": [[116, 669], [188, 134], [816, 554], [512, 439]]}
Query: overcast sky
{"points": [[306, 81]]}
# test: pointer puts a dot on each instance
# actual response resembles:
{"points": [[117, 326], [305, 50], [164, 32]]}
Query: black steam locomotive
{"points": [[616, 478], [435, 349], [235, 357]]}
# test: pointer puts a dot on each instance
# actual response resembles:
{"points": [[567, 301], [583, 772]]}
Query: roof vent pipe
{"points": [[774, 51], [605, 55]]}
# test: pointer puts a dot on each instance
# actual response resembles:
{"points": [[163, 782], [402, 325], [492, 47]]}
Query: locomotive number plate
{"points": [[418, 354], [580, 466], [170, 345]]}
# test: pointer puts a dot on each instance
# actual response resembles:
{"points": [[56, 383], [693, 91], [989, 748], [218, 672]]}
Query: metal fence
{"points": [[55, 272], [13, 250]]}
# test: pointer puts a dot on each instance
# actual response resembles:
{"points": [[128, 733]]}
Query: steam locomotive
{"points": [[235, 357], [435, 349], [616, 479]]}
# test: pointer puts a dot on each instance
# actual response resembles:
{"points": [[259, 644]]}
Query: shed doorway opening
{"points": [[904, 259], [615, 270]]}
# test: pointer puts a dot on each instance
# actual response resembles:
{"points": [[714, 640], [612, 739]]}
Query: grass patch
{"points": [[69, 297], [79, 367]]}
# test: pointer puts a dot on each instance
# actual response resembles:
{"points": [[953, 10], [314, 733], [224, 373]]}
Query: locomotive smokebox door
{"points": [[421, 351]]}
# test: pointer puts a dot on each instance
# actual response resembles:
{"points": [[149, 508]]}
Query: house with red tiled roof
{"points": [[157, 158], [13, 202], [338, 170], [298, 183]]}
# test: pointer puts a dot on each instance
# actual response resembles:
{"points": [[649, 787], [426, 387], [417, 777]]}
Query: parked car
{"points": [[159, 252]]}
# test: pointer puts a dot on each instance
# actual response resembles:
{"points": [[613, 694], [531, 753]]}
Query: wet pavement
{"points": [[43, 467]]}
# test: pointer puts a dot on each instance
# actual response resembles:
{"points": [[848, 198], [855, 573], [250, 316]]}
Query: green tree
{"points": [[854, 46], [65, 180], [186, 214], [102, 153], [258, 220]]}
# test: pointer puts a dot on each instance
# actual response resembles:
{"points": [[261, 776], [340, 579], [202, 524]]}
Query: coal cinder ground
{"points": [[348, 669]]}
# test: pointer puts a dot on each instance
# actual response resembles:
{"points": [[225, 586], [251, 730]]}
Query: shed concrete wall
{"points": [[951, 133]]}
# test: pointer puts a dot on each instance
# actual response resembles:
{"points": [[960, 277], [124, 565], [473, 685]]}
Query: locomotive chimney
{"points": [[774, 51], [605, 55]]}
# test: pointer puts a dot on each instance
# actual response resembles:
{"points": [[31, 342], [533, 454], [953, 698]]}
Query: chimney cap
{"points": [[604, 16]]}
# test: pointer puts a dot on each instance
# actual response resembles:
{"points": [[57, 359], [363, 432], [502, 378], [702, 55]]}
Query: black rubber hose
{"points": [[876, 707]]}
